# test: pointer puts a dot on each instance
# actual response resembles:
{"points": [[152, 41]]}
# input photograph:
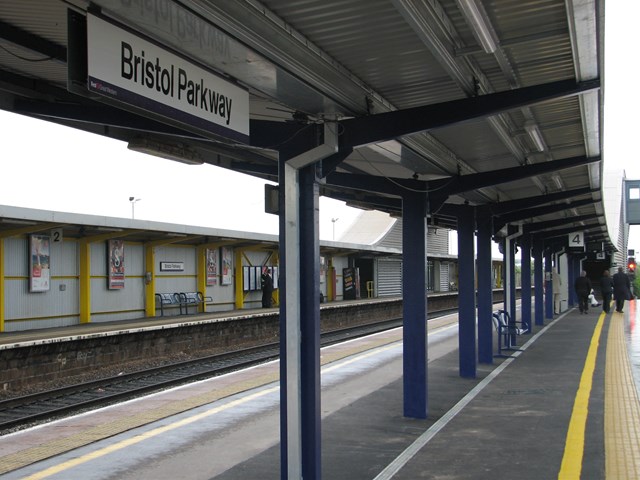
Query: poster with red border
{"points": [[212, 266], [115, 249], [39, 263], [226, 255]]}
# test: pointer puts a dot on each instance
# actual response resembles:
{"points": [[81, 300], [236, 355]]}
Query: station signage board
{"points": [[128, 69], [172, 266], [576, 241]]}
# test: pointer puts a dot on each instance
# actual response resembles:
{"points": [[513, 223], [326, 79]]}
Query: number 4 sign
{"points": [[576, 240]]}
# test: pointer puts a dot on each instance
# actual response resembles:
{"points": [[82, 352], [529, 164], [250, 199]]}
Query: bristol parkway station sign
{"points": [[134, 71]]}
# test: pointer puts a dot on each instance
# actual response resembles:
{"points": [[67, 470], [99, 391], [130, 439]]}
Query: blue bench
{"points": [[169, 300], [193, 299], [507, 331]]}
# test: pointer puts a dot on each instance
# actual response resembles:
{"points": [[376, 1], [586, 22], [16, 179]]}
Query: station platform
{"points": [[564, 405]]}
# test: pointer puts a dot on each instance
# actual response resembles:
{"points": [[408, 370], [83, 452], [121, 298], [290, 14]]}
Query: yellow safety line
{"points": [[144, 436], [621, 408], [62, 445], [574, 446]]}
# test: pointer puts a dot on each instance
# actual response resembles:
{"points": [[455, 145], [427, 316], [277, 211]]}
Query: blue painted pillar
{"points": [[525, 265], [548, 298], [300, 304], [512, 286], [466, 293], [538, 280], [484, 221], [310, 321], [571, 278], [577, 267], [504, 245], [414, 304]]}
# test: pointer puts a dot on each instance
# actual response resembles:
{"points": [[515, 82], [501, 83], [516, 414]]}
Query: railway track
{"points": [[29, 410]]}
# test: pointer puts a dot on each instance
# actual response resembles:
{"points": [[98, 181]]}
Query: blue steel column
{"points": [[512, 285], [466, 293], [310, 322], [571, 278], [300, 392], [538, 280], [484, 221], [525, 269], [282, 286], [548, 298], [414, 305]]}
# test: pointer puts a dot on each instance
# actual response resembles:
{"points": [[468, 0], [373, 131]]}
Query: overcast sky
{"points": [[47, 166], [52, 167]]}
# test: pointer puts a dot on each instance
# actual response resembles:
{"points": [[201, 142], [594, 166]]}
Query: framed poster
{"points": [[212, 266], [39, 263], [226, 255], [115, 275], [253, 278], [245, 278]]}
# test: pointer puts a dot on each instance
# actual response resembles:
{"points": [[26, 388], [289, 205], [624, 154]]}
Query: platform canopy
{"points": [[490, 104]]}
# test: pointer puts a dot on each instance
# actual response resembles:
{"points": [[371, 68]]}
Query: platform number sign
{"points": [[576, 240], [56, 235]]}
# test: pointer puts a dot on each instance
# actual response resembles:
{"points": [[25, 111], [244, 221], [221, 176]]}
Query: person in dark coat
{"points": [[606, 288], [582, 287], [621, 289], [267, 288]]}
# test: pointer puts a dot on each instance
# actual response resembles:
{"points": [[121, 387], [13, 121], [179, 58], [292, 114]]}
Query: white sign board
{"points": [[172, 266], [576, 240], [138, 72]]}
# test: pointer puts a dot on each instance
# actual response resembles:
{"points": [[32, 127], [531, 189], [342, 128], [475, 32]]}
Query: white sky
{"points": [[51, 167]]}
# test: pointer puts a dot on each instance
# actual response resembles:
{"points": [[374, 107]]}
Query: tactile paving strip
{"points": [[621, 408]]}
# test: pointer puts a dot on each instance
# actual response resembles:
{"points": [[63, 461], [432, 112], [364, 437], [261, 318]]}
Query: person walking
{"points": [[582, 287], [606, 288], [621, 289]]}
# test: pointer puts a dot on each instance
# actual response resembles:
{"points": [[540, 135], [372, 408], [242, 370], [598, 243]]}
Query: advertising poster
{"points": [[348, 284], [39, 263], [212, 266], [227, 267], [116, 264]]}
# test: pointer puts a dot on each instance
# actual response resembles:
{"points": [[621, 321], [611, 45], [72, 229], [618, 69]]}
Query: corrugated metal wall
{"points": [[388, 273], [437, 239], [59, 305], [444, 277], [124, 304]]}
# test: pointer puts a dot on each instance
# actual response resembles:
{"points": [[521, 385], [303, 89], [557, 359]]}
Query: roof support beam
{"points": [[465, 183], [36, 44], [536, 212], [537, 226], [391, 125], [551, 235], [389, 186], [512, 205]]}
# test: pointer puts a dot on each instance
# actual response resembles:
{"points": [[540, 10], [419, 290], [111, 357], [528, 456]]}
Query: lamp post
{"points": [[333, 221], [133, 201]]}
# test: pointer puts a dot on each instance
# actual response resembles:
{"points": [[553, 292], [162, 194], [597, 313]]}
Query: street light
{"points": [[333, 221], [133, 201]]}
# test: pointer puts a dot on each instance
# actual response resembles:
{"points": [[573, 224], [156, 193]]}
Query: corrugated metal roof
{"points": [[352, 58]]}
